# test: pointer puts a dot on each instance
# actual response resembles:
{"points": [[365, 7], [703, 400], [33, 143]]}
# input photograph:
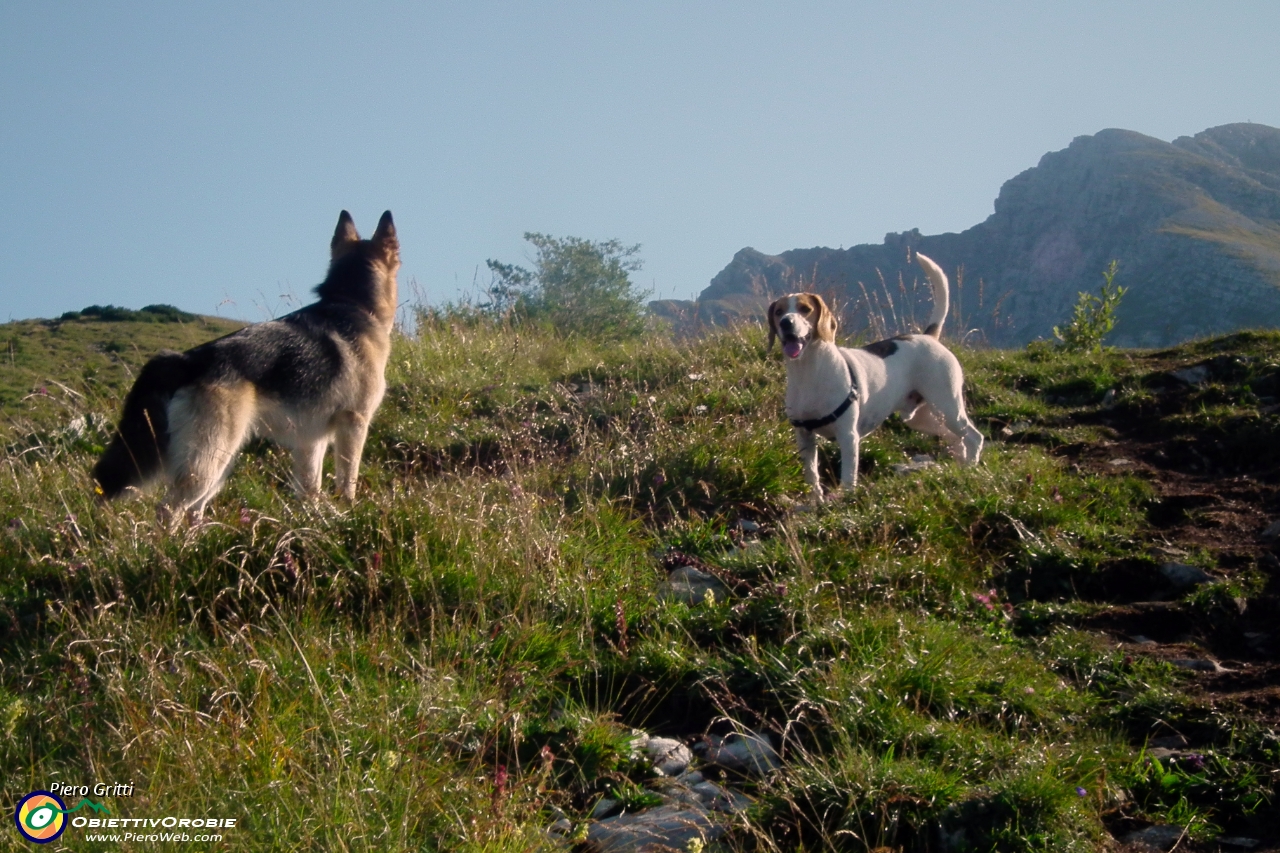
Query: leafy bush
{"points": [[1093, 317], [115, 314], [578, 286]]}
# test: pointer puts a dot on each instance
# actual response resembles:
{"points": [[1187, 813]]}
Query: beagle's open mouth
{"points": [[792, 346]]}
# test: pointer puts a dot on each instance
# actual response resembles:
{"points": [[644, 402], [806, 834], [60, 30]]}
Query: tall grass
{"points": [[459, 658]]}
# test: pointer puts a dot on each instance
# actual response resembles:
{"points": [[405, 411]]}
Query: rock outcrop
{"points": [[1194, 224]]}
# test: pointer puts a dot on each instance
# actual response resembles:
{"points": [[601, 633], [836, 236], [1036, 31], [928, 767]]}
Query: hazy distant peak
{"points": [[1251, 147], [1195, 225]]}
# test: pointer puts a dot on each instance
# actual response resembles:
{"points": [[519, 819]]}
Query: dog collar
{"points": [[819, 423]]}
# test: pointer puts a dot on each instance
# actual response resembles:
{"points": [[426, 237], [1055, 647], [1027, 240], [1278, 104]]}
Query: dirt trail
{"points": [[1229, 644], [1225, 516]]}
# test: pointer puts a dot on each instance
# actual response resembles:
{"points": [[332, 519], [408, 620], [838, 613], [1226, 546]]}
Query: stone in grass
{"points": [[1159, 836], [1183, 576], [919, 462], [675, 792], [748, 753], [670, 757], [605, 807], [1196, 375], [1199, 665], [1165, 753], [690, 586], [670, 826], [720, 799]]}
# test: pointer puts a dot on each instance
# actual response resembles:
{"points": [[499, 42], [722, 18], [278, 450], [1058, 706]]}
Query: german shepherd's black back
{"points": [[307, 379]]}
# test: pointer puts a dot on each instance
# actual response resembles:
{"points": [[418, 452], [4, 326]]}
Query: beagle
{"points": [[845, 393]]}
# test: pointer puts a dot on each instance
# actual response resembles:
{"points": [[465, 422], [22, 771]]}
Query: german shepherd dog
{"points": [[307, 380]]}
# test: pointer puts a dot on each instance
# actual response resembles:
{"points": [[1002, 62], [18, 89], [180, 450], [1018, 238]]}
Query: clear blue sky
{"points": [[199, 153]]}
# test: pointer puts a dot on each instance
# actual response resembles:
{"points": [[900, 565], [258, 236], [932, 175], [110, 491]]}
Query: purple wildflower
{"points": [[500, 779]]}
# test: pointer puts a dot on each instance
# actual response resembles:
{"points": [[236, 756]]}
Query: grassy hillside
{"points": [[47, 366], [986, 658]]}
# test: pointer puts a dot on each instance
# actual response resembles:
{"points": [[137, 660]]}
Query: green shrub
{"points": [[1093, 317], [115, 314], [578, 286]]}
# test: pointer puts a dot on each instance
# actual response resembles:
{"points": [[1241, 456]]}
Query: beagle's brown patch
{"points": [[887, 347]]}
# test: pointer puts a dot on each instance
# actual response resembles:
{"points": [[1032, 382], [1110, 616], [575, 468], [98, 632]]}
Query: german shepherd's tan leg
{"points": [[308, 463], [207, 428], [351, 430]]}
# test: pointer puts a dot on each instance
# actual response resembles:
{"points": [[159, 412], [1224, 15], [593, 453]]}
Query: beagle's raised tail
{"points": [[941, 300]]}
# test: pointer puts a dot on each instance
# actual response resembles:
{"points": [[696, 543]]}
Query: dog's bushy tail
{"points": [[941, 297], [141, 440]]}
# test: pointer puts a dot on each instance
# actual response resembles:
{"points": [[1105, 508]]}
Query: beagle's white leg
{"points": [[807, 443], [972, 443], [968, 441], [927, 420], [958, 422], [849, 441]]}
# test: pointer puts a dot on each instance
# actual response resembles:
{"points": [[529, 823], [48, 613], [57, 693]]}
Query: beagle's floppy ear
{"points": [[344, 236], [773, 325], [825, 323]]}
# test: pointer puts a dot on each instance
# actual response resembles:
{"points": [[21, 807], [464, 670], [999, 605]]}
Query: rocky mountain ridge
{"points": [[1195, 225]]}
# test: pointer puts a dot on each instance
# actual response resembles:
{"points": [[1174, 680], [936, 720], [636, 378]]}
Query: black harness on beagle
{"points": [[819, 423]]}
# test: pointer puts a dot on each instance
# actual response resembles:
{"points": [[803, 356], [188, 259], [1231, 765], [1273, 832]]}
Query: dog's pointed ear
{"points": [[825, 324], [344, 236], [385, 236], [773, 326], [386, 228]]}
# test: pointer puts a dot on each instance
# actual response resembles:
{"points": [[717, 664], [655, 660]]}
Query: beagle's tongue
{"points": [[792, 348]]}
